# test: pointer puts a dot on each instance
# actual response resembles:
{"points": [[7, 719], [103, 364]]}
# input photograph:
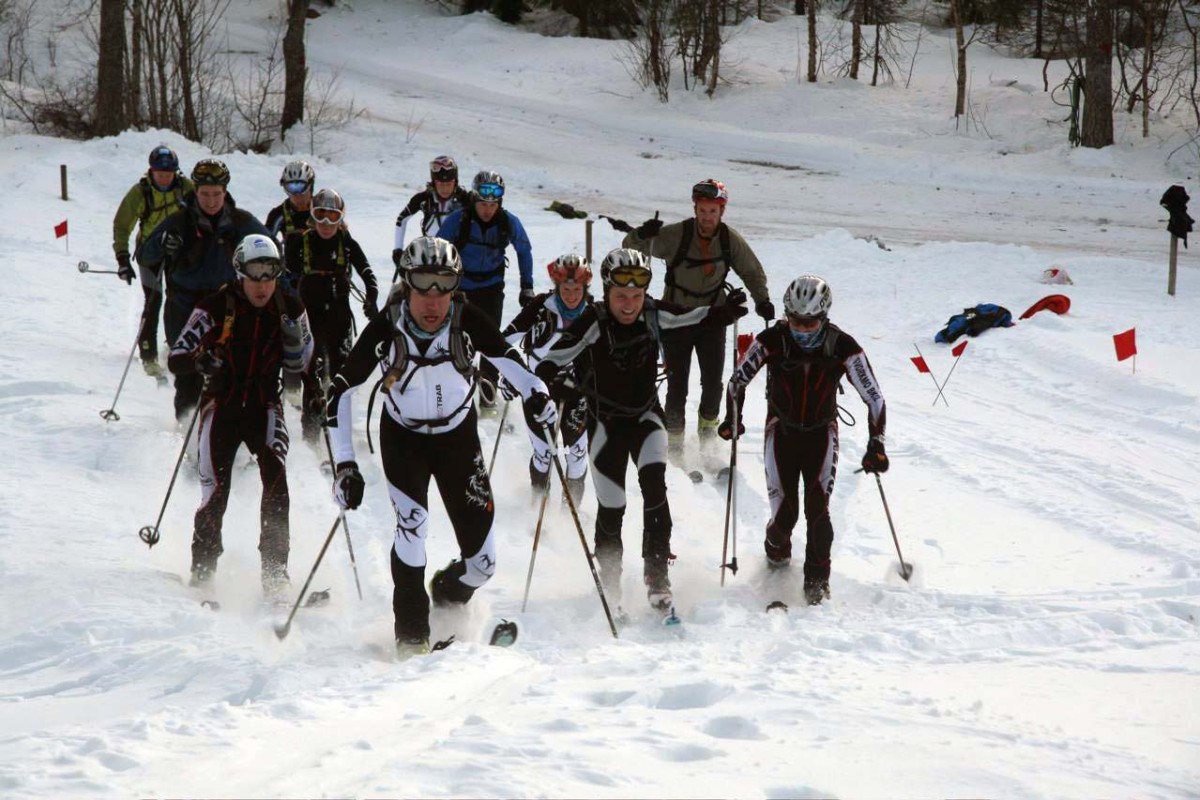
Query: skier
{"points": [[436, 201], [537, 328], [157, 194], [194, 246], [319, 261], [699, 253], [614, 347], [806, 357], [482, 231], [425, 343], [290, 218], [238, 339]]}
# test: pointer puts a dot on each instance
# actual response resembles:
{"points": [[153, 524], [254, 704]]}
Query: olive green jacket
{"points": [[148, 206]]}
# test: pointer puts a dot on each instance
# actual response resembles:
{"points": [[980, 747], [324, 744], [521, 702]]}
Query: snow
{"points": [[1046, 647]]}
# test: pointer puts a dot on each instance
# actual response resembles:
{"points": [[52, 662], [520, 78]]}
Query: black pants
{"points": [[491, 302], [613, 444], [331, 322], [789, 456], [709, 346], [455, 461], [222, 430], [572, 429], [151, 289], [187, 387]]}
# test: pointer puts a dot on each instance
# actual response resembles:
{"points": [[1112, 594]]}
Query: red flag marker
{"points": [[957, 352], [60, 230], [1126, 344], [920, 364]]}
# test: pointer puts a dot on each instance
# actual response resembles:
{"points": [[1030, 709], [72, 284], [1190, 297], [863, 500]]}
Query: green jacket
{"points": [[148, 206], [696, 277]]}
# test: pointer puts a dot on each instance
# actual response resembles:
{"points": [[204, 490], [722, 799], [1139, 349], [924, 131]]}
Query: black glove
{"points": [[524, 297], [209, 364], [348, 485], [725, 430], [736, 297], [875, 459], [765, 309], [172, 243], [541, 409], [619, 225], [371, 303], [399, 251], [649, 229], [124, 268]]}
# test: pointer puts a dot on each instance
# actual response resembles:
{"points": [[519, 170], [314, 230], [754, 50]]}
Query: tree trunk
{"points": [[110, 117], [856, 38], [133, 81], [960, 95], [875, 59], [812, 41], [187, 77], [1037, 28], [1097, 127], [1147, 63], [295, 67]]}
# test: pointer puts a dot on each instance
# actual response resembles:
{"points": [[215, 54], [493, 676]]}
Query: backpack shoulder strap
{"points": [[685, 241], [230, 316], [460, 343], [726, 249], [464, 229]]}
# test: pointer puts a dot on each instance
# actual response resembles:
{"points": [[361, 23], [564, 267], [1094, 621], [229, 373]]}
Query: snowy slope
{"points": [[1048, 646]]}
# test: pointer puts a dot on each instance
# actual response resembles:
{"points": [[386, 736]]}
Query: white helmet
{"points": [[625, 261], [297, 172], [431, 253], [257, 258], [808, 296]]}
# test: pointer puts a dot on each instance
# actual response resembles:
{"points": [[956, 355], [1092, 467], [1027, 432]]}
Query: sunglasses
{"points": [[637, 277], [261, 270], [424, 281], [490, 191], [296, 187], [327, 216]]}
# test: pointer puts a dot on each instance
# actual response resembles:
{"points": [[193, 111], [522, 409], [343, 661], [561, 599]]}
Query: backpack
{"points": [[464, 235], [974, 321], [681, 259]]}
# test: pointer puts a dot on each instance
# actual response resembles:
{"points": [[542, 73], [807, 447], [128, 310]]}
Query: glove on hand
{"points": [[371, 303], [875, 460], [725, 430], [543, 411], [210, 364], [736, 297], [765, 309], [650, 228], [172, 243], [348, 485], [124, 268], [525, 297], [619, 225]]}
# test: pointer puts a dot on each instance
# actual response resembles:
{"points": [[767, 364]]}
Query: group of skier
{"points": [[248, 305]]}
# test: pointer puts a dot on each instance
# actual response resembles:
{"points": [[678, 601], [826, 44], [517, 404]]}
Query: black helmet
{"points": [[164, 158]]}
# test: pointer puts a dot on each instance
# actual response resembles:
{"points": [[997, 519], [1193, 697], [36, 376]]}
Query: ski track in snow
{"points": [[1047, 643]]}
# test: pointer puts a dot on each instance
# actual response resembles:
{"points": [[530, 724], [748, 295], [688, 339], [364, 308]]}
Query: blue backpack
{"points": [[974, 321]]}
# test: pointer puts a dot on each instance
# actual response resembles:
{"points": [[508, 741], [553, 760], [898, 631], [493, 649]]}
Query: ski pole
{"points": [[110, 414], [282, 630], [499, 433], [537, 532], [148, 534], [906, 570], [562, 479], [84, 266], [731, 490], [345, 525]]}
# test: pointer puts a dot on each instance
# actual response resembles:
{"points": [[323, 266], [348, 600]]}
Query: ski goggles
{"points": [[709, 191], [327, 216], [424, 280], [210, 172], [261, 270], [443, 169], [490, 191], [296, 187], [637, 277]]}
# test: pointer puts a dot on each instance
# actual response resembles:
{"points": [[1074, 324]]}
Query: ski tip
{"points": [[671, 619], [211, 605], [696, 476], [504, 634], [281, 631], [777, 605]]}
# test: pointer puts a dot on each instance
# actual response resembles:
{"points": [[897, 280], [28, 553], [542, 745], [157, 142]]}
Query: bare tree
{"points": [[856, 22], [813, 6], [1097, 127], [295, 66], [647, 57]]}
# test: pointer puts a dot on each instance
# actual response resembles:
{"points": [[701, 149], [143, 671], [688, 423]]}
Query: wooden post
{"points": [[590, 223], [62, 177], [1171, 270]]}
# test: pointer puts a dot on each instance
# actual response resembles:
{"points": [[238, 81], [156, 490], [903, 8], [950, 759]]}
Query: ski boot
{"points": [[577, 487], [276, 586], [706, 428], [816, 590], [779, 556], [540, 481], [658, 586], [202, 574], [446, 589], [409, 646]]}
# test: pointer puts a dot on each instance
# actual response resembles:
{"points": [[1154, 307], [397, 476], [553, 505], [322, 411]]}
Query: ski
{"points": [[503, 635], [670, 619], [777, 605]]}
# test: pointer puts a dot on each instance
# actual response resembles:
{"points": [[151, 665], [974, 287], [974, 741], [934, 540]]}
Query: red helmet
{"points": [[570, 268], [710, 189]]}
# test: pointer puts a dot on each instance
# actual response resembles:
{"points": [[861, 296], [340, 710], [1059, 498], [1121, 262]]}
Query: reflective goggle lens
{"points": [[490, 191], [445, 175], [261, 271], [425, 281], [327, 216], [638, 277], [296, 187], [210, 174]]}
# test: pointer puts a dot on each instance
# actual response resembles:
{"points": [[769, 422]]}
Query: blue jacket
{"points": [[482, 253], [205, 262]]}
